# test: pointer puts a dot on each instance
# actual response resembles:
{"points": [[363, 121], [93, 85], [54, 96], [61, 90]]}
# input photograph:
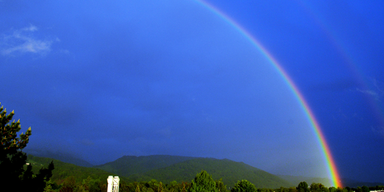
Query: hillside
{"points": [[327, 182], [130, 165], [175, 168], [67, 158], [354, 183], [229, 171], [297, 179], [63, 170]]}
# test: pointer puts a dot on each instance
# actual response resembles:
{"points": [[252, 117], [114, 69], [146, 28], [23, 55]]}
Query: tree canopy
{"points": [[203, 182], [244, 186], [302, 187]]}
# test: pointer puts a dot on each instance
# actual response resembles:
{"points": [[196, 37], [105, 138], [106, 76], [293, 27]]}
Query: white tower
{"points": [[110, 183], [116, 181], [113, 183]]}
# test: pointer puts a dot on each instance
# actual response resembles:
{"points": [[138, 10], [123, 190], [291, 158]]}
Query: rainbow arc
{"points": [[332, 170]]}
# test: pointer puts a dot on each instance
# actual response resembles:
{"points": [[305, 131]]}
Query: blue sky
{"points": [[99, 80]]}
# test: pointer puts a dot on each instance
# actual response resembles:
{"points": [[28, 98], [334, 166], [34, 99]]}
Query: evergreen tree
{"points": [[244, 186], [203, 182], [13, 160]]}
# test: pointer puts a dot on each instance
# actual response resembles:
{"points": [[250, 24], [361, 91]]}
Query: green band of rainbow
{"points": [[332, 171]]}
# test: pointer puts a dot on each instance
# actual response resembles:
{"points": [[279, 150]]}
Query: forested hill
{"points": [[173, 168], [229, 171], [130, 165], [64, 170], [67, 158], [297, 179], [162, 168]]}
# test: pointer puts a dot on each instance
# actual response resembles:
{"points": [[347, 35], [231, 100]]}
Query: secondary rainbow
{"points": [[332, 170], [341, 48]]}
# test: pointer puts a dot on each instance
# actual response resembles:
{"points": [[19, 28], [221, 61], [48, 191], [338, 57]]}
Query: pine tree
{"points": [[13, 160]]}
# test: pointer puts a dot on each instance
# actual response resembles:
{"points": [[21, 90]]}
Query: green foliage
{"points": [[282, 189], [64, 170], [244, 186], [264, 190], [69, 185], [297, 179], [318, 187], [339, 189], [137, 188], [364, 189], [292, 189], [89, 184], [302, 187], [72, 178], [13, 160], [221, 186], [130, 165], [332, 189], [229, 171], [203, 182], [69, 177]]}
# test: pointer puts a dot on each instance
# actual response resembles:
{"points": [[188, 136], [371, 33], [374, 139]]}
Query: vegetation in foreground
{"points": [[15, 173], [202, 182]]}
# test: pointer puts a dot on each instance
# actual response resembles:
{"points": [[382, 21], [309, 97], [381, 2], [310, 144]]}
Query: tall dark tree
{"points": [[13, 161], [302, 187]]}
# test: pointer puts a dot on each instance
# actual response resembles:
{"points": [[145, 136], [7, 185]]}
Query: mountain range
{"points": [[166, 168]]}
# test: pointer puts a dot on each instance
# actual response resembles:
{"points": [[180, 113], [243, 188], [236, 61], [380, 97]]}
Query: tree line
{"points": [[203, 182]]}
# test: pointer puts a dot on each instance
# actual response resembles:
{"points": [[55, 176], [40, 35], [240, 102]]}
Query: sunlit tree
{"points": [[203, 182], [244, 186]]}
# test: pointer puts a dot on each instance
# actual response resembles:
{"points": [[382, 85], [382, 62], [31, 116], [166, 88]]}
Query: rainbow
{"points": [[332, 170], [347, 57]]}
